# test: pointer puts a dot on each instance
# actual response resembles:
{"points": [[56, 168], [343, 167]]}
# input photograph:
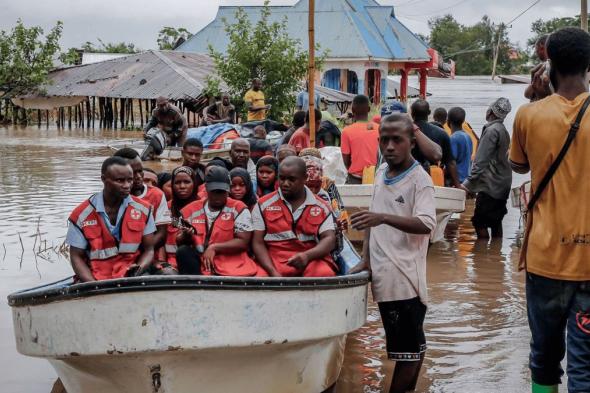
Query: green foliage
{"points": [[263, 50], [110, 47], [472, 47], [540, 27], [71, 57], [26, 57], [212, 87], [169, 36]]}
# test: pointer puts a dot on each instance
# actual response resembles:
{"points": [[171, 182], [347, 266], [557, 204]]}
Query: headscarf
{"points": [[177, 203], [163, 178], [315, 171], [310, 151], [501, 108], [273, 163], [250, 198]]}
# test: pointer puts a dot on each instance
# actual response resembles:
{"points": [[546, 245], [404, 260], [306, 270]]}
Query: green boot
{"points": [[544, 388]]}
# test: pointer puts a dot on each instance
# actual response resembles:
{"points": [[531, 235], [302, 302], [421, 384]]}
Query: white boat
{"points": [[448, 201], [192, 334]]}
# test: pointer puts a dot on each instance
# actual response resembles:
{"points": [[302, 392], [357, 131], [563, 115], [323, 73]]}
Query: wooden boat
{"points": [[448, 201], [192, 334]]}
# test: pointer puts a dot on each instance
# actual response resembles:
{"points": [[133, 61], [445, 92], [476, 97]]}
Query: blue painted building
{"points": [[364, 41]]}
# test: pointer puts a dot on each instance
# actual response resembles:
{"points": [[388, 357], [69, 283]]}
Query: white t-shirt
{"points": [[327, 225], [243, 221], [398, 259], [162, 213]]}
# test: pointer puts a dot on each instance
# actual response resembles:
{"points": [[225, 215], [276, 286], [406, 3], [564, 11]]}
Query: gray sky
{"points": [[139, 21]]}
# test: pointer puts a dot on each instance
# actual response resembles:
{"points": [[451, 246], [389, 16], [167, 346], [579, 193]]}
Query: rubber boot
{"points": [[544, 388]]}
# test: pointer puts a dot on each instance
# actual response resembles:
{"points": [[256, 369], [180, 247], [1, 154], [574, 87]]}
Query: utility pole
{"points": [[497, 51], [584, 15], [311, 73]]}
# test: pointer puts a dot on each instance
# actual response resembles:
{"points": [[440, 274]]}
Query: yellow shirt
{"points": [[467, 128], [559, 242], [256, 98]]}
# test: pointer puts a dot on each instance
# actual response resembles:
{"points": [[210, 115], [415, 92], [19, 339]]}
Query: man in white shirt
{"points": [[398, 224]]}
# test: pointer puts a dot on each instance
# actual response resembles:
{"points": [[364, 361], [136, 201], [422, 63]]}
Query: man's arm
{"points": [[347, 160], [153, 122], [80, 265], [366, 219], [160, 235], [262, 255], [326, 243], [429, 148], [146, 257], [345, 149], [452, 171], [365, 263], [520, 168]]}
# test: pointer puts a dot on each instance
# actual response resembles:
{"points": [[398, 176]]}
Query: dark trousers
{"points": [[350, 179], [554, 307], [489, 212], [188, 260]]}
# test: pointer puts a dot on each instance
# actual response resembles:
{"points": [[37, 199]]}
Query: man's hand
{"points": [[366, 219], [360, 267], [299, 261], [185, 236], [468, 193], [541, 83], [134, 271], [207, 259]]}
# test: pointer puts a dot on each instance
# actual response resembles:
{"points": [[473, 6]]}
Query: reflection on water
{"points": [[476, 322]]}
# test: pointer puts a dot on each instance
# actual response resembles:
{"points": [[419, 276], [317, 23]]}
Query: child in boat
{"points": [[397, 227], [217, 231], [266, 175], [183, 184], [241, 188]]}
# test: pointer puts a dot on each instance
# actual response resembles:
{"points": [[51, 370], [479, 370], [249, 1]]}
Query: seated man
{"points": [[221, 112], [111, 234], [220, 234], [294, 230], [169, 119], [192, 150], [259, 146]]}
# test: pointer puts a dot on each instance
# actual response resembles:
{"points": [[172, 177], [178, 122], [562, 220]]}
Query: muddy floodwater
{"points": [[476, 323]]}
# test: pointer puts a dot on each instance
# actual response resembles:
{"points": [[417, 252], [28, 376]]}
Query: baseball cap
{"points": [[217, 179], [392, 107]]}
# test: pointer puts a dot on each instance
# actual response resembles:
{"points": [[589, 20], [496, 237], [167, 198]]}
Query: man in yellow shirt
{"points": [[557, 254], [254, 100]]}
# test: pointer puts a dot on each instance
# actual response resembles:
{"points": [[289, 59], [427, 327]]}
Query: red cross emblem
{"points": [[135, 214]]}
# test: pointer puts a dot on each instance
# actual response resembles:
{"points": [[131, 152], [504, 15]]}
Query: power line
{"points": [[438, 11], [523, 12]]}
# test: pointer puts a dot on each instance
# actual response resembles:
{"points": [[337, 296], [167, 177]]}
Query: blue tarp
{"points": [[208, 134]]}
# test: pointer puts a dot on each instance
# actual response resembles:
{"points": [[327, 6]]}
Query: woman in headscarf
{"points": [[241, 188], [183, 183], [267, 173]]}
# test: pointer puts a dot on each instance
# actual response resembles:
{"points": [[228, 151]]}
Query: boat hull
{"points": [[249, 335]]}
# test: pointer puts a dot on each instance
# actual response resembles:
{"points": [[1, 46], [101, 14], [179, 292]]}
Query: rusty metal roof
{"points": [[147, 75]]}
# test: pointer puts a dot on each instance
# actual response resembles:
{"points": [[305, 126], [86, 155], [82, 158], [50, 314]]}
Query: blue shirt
{"points": [[75, 237], [303, 100], [462, 148]]}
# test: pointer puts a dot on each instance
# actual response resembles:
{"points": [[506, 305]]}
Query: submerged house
{"points": [[364, 40]]}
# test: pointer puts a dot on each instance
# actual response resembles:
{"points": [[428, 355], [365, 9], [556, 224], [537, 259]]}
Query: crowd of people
{"points": [[271, 212]]}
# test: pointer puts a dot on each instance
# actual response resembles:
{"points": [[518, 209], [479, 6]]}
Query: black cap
{"points": [[217, 178]]}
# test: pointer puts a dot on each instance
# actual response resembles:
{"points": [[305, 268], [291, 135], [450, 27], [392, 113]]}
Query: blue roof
{"points": [[349, 29]]}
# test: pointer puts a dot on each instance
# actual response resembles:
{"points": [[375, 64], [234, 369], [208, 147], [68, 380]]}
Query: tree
{"points": [[26, 57], [110, 47], [168, 37], [264, 51], [473, 47], [540, 27]]}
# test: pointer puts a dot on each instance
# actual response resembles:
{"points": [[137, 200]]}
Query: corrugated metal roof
{"points": [[145, 75], [351, 29], [334, 96]]}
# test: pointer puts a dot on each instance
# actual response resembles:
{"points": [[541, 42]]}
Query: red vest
{"points": [[285, 237], [222, 230], [108, 257], [153, 196], [170, 246]]}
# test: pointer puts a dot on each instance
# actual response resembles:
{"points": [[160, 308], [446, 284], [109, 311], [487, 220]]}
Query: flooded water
{"points": [[476, 322]]}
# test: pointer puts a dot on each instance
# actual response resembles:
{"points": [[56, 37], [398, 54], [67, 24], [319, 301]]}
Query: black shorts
{"points": [[489, 212], [403, 321]]}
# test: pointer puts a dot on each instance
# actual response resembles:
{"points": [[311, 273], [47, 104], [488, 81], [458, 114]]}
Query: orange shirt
{"points": [[360, 140], [300, 139], [559, 239]]}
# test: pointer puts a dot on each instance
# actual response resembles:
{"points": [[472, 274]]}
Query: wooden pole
{"points": [[93, 113], [584, 15], [47, 117], [497, 51], [115, 113], [311, 73]]}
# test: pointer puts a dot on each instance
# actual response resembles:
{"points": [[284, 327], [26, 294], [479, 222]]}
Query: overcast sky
{"points": [[139, 21]]}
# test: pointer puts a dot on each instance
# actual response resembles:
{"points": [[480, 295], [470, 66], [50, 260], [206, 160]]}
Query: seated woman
{"points": [[267, 175], [182, 190], [217, 231], [241, 188]]}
